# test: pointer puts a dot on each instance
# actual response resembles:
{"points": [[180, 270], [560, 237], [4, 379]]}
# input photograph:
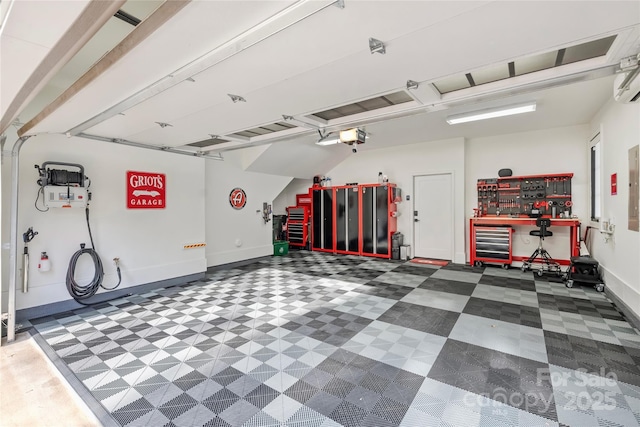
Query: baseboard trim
{"points": [[234, 264], [70, 304], [629, 315]]}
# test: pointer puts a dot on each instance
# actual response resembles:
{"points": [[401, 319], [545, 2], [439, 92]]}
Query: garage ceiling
{"points": [[301, 66]]}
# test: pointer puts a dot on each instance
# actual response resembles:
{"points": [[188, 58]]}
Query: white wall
{"points": [[237, 235], [149, 242], [556, 150], [619, 125], [401, 164], [288, 196]]}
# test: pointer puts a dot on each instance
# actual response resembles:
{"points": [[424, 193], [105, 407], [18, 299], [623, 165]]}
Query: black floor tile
{"points": [[425, 319], [494, 374], [409, 268], [512, 313], [384, 290], [509, 282], [451, 286], [463, 268], [602, 309], [594, 357], [360, 273]]}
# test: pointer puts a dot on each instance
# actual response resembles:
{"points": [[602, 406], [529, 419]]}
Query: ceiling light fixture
{"points": [[329, 139], [492, 113], [236, 98], [376, 46], [411, 84]]}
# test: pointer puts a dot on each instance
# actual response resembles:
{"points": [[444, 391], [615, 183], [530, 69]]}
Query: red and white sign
{"points": [[146, 190], [237, 198], [614, 184]]}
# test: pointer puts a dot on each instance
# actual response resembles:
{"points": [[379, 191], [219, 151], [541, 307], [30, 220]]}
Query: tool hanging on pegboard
{"points": [[531, 195]]}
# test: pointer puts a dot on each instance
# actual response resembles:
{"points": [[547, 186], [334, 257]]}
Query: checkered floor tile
{"points": [[314, 339]]}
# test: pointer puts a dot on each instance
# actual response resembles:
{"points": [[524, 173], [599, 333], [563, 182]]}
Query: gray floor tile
{"points": [[435, 299], [402, 279], [522, 341], [501, 294], [458, 276]]}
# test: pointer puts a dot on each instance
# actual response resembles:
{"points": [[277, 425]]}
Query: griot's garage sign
{"points": [[146, 190]]}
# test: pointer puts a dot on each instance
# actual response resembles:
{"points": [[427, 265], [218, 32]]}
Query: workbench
{"points": [[504, 221]]}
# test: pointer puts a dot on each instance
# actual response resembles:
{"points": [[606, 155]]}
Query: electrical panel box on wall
{"points": [[56, 196]]}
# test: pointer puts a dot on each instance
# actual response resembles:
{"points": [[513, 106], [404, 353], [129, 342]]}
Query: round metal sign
{"points": [[237, 198]]}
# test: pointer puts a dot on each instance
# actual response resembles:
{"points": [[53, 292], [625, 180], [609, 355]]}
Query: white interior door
{"points": [[433, 216]]}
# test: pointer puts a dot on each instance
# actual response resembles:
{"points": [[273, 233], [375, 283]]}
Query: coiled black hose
{"points": [[81, 292]]}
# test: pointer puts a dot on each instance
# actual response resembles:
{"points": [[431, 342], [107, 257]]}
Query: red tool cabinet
{"points": [[298, 225], [491, 245]]}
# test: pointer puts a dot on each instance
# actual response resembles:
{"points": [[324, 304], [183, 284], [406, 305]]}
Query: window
{"points": [[596, 178]]}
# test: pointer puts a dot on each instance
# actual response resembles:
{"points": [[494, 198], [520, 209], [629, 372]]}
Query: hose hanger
{"points": [[61, 176], [62, 188]]}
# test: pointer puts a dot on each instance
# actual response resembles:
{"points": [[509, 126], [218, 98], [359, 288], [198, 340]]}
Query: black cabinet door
{"points": [[327, 210], [317, 219], [353, 221], [341, 219], [368, 209], [347, 220], [382, 220]]}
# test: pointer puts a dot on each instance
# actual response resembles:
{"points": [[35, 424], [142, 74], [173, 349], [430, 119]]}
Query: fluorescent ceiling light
{"points": [[329, 139], [492, 113]]}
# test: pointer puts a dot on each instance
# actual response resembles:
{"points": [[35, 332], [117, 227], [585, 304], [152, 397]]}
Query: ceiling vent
{"points": [[208, 142], [363, 106], [263, 130], [526, 65]]}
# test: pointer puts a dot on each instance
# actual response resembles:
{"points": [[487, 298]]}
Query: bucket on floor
{"points": [[280, 248], [405, 252]]}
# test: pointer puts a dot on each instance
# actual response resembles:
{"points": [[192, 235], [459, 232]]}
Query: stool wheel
{"points": [[600, 287], [478, 263], [569, 284], [540, 272], [505, 266]]}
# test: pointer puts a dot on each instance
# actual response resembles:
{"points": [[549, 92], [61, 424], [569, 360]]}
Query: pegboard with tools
{"points": [[532, 195]]}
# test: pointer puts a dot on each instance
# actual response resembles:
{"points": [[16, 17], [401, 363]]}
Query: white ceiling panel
{"points": [[290, 77], [41, 22], [13, 78], [31, 29], [301, 48], [103, 41], [198, 28]]}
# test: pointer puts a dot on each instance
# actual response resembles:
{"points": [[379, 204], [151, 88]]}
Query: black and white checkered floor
{"points": [[314, 339]]}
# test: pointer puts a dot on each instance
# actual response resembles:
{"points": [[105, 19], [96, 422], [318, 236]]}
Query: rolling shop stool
{"points": [[583, 269], [548, 263]]}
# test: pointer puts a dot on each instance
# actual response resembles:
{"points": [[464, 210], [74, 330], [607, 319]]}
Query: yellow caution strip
{"points": [[195, 245]]}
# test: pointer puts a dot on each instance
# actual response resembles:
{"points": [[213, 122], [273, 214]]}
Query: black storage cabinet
{"points": [[347, 220], [375, 220], [322, 220]]}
